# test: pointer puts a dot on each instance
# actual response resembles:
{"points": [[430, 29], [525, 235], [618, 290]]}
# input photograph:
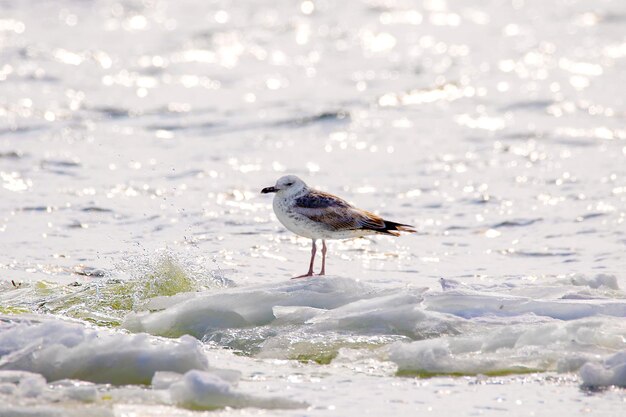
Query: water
{"points": [[135, 138]]}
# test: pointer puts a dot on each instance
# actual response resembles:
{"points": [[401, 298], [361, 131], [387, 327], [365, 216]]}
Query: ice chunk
{"points": [[363, 324], [30, 394], [469, 304], [200, 390], [203, 390], [295, 314], [612, 371], [600, 280], [58, 350], [398, 313], [525, 347], [304, 320], [246, 307], [458, 331], [13, 377], [82, 393], [31, 386]]}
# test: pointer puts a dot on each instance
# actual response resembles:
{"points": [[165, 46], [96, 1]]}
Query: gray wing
{"points": [[319, 200], [336, 214]]}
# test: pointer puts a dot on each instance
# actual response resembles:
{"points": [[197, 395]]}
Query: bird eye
{"points": [[289, 184]]}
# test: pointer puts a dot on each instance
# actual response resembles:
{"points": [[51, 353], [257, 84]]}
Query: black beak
{"points": [[267, 190]]}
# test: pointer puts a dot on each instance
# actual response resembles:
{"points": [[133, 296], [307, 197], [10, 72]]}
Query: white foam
{"points": [[611, 371]]}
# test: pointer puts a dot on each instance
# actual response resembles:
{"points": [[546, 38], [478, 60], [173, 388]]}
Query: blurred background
{"points": [[496, 127]]}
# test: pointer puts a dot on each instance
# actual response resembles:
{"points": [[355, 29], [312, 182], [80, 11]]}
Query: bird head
{"points": [[289, 184]]}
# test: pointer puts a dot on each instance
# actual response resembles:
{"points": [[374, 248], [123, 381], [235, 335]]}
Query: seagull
{"points": [[318, 215]]}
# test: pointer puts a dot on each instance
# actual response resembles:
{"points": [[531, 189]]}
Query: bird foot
{"points": [[308, 274]]}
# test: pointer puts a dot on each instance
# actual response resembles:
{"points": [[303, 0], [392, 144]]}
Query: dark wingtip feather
{"points": [[393, 228]]}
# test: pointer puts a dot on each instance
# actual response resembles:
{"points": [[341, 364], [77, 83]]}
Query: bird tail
{"points": [[393, 228]]}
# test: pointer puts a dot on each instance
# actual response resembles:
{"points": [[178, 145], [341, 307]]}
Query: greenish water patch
{"points": [[13, 310], [320, 358], [323, 352], [44, 288], [106, 301]]}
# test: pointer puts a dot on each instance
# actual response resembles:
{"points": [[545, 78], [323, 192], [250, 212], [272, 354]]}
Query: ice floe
{"points": [[246, 307], [30, 394], [468, 304], [513, 348], [598, 281], [455, 331], [59, 350], [200, 390], [50, 360], [611, 371]]}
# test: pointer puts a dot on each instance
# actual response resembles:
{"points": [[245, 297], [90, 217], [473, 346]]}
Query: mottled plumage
{"points": [[336, 214], [320, 199], [319, 215]]}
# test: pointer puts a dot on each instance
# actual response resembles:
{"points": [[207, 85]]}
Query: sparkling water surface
{"points": [[135, 137]]}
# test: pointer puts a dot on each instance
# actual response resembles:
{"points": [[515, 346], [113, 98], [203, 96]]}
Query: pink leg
{"points": [[323, 271], [310, 273]]}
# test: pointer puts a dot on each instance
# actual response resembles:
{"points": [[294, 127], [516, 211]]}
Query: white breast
{"points": [[298, 224]]}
